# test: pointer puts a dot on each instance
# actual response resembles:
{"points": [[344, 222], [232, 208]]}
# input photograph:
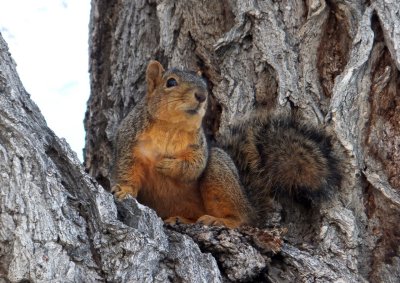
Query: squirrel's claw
{"points": [[121, 192]]}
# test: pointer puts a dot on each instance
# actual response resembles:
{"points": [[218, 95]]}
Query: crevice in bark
{"points": [[383, 131], [382, 144], [278, 268], [227, 15], [101, 79], [5, 249], [70, 182], [266, 88], [300, 219], [369, 201], [366, 249], [383, 225], [334, 48], [212, 119]]}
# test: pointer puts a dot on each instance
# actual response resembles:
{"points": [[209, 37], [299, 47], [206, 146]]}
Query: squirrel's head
{"points": [[174, 95]]}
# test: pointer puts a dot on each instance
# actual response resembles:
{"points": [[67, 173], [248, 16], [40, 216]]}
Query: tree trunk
{"points": [[334, 62]]}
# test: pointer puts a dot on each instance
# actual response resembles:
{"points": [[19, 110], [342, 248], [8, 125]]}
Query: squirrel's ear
{"points": [[154, 74]]}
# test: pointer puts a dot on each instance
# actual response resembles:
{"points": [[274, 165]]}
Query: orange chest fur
{"points": [[169, 197], [160, 141]]}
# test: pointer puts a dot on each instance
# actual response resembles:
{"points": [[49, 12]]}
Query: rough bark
{"points": [[334, 62]]}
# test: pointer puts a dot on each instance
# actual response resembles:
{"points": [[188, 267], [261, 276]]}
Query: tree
{"points": [[335, 62]]}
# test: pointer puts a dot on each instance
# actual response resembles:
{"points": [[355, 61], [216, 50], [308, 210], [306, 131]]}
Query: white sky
{"points": [[48, 40]]}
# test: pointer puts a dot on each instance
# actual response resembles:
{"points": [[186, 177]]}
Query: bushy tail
{"points": [[280, 155]]}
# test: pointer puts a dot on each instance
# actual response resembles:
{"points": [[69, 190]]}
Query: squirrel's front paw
{"points": [[166, 166], [122, 191]]}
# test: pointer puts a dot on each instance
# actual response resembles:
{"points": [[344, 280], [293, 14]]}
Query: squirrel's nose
{"points": [[200, 96]]}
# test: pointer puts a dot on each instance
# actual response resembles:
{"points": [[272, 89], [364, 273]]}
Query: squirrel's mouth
{"points": [[195, 110], [192, 111]]}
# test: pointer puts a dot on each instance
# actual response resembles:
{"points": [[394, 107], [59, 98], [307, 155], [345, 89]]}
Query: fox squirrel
{"points": [[162, 157]]}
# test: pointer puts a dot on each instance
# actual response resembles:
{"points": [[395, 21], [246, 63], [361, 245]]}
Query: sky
{"points": [[48, 40]]}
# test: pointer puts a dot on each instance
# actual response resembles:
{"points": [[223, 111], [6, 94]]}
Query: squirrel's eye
{"points": [[171, 82]]}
